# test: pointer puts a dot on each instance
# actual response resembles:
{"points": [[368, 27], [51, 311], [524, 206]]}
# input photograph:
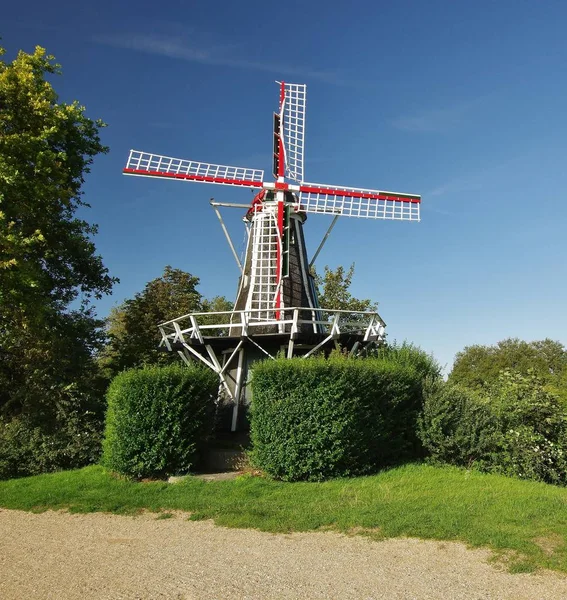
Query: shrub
{"points": [[318, 418], [458, 427], [157, 419], [28, 449], [411, 356], [516, 427], [534, 428], [63, 433]]}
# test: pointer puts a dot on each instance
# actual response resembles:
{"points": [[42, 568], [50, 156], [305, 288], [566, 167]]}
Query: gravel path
{"points": [[56, 555]]}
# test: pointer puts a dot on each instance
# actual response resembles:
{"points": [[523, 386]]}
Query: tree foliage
{"points": [[479, 367], [47, 257], [132, 327], [49, 269], [333, 290]]}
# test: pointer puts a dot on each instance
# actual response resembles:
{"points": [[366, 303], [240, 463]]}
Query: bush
{"points": [[458, 427], [534, 428], [29, 449], [158, 419], [411, 356], [318, 418], [516, 428]]}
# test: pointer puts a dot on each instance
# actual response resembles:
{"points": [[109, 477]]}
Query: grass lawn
{"points": [[525, 522]]}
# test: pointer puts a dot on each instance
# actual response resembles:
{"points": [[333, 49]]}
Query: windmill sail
{"points": [[144, 164], [292, 114], [359, 202]]}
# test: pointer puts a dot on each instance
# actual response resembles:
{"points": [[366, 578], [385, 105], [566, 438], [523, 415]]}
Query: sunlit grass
{"points": [[523, 521]]}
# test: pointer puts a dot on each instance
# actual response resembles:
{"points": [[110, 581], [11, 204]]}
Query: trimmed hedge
{"points": [[317, 418], [158, 419], [516, 427]]}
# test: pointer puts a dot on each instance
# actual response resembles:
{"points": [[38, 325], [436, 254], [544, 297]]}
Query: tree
{"points": [[479, 367], [333, 290], [47, 256], [49, 269], [132, 327], [217, 304]]}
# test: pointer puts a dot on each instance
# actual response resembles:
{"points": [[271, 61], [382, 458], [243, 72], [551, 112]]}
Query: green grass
{"points": [[524, 522]]}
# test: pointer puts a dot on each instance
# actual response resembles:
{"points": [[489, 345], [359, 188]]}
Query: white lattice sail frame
{"points": [[155, 165], [292, 111], [358, 202]]}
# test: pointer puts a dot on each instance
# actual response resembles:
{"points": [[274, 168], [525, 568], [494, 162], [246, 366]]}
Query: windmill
{"points": [[276, 306]]}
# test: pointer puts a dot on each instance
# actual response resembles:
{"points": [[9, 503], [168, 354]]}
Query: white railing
{"points": [[195, 327]]}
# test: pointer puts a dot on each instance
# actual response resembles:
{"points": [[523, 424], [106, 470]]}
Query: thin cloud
{"points": [[477, 180], [455, 187], [431, 121], [176, 47], [438, 120], [439, 211]]}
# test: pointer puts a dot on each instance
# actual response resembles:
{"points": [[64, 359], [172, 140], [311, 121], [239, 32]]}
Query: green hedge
{"points": [[406, 353], [158, 419], [516, 427], [317, 418]]}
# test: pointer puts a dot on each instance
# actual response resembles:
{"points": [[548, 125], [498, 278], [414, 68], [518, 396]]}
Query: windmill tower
{"points": [[276, 306]]}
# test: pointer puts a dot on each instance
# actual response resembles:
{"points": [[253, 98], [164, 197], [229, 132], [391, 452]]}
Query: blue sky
{"points": [[461, 102]]}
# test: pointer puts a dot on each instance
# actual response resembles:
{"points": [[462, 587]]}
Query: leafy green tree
{"points": [[333, 290], [479, 367], [49, 269], [217, 304], [214, 305], [132, 327]]}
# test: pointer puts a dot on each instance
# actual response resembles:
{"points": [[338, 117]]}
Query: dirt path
{"points": [[61, 556]]}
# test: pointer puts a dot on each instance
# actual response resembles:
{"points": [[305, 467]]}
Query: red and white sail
{"points": [[313, 197], [145, 164], [293, 98], [358, 202], [289, 145]]}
